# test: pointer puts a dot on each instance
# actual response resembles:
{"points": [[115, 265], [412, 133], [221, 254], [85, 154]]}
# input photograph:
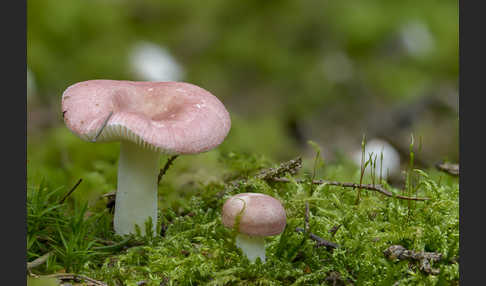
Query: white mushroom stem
{"points": [[252, 246], [136, 196]]}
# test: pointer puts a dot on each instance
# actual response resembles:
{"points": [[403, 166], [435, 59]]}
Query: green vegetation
{"points": [[287, 71], [327, 64], [195, 248]]}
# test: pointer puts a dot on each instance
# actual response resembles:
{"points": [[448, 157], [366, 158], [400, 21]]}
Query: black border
{"points": [[14, 114], [471, 87]]}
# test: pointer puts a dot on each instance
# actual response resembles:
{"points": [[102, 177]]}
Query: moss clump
{"points": [[194, 248]]}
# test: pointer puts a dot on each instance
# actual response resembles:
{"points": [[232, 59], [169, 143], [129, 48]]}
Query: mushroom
{"points": [[258, 216], [148, 118]]}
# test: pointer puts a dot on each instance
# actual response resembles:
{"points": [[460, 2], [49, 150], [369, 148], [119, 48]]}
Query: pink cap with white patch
{"points": [[261, 215], [170, 117]]}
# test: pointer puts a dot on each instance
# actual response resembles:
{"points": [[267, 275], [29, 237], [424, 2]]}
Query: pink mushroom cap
{"points": [[170, 117], [262, 215]]}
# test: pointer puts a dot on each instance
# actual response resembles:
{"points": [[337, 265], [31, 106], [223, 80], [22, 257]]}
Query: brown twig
{"points": [[70, 191], [166, 167], [105, 242], [377, 188], [72, 276], [334, 229], [399, 252], [291, 167], [320, 241], [452, 169], [38, 261]]}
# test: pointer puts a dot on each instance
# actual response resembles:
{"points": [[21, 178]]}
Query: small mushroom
{"points": [[258, 215], [148, 118]]}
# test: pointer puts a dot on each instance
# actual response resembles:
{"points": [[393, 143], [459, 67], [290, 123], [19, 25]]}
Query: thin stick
{"points": [[320, 241], [291, 167], [38, 261], [334, 229], [102, 127], [72, 276], [166, 167], [70, 191], [377, 188]]}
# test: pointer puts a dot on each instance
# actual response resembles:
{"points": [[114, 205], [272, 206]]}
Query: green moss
{"points": [[196, 249]]}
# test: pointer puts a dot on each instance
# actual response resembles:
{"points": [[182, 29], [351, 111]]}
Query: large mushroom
{"points": [[258, 216], [148, 118]]}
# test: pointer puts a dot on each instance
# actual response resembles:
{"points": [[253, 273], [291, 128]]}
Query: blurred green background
{"points": [[287, 71]]}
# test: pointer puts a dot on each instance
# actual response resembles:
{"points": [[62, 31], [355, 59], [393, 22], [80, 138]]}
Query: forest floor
{"points": [[344, 227]]}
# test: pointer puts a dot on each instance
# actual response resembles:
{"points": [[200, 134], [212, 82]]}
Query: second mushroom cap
{"points": [[261, 215]]}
